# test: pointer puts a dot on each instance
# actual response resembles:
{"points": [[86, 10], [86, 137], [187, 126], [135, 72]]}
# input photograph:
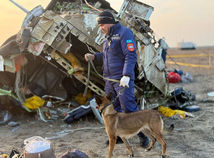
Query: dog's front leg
{"points": [[131, 154], [112, 142]]}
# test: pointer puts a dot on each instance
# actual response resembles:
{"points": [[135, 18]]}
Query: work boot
{"points": [[144, 140], [118, 141]]}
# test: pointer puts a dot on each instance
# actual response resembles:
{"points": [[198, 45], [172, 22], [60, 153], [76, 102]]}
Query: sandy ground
{"points": [[192, 137]]}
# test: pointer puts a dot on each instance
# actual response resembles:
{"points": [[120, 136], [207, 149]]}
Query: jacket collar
{"points": [[113, 29]]}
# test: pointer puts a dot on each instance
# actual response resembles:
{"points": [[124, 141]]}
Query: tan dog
{"points": [[127, 125]]}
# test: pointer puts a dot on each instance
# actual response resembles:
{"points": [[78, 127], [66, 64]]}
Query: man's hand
{"points": [[124, 81], [89, 56]]}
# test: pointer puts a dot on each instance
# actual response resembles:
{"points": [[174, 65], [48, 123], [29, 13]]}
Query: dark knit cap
{"points": [[105, 17]]}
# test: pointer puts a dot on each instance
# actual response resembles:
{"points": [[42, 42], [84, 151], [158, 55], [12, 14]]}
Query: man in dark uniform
{"points": [[119, 59]]}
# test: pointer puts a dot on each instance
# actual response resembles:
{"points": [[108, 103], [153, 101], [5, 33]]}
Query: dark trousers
{"points": [[126, 101]]}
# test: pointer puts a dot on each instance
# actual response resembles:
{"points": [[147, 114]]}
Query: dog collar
{"points": [[101, 111], [121, 91]]}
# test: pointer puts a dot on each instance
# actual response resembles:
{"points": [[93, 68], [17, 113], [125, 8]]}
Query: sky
{"points": [[175, 20]]}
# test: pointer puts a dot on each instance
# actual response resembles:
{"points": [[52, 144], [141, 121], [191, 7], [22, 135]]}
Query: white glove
{"points": [[124, 81]]}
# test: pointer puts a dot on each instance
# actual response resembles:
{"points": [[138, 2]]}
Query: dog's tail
{"points": [[169, 129]]}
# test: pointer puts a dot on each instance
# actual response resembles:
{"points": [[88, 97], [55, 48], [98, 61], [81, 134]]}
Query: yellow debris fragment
{"points": [[168, 112], [34, 102]]}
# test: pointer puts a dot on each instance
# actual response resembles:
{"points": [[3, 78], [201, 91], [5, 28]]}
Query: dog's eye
{"points": [[97, 107]]}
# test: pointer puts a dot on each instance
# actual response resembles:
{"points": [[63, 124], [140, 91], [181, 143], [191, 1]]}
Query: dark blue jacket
{"points": [[119, 53]]}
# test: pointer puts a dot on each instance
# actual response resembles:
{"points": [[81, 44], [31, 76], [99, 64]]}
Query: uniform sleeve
{"points": [[98, 58], [129, 51]]}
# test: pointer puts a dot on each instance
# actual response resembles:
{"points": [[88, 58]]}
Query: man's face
{"points": [[105, 28]]}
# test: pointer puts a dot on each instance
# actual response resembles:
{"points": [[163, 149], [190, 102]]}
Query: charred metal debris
{"points": [[43, 65]]}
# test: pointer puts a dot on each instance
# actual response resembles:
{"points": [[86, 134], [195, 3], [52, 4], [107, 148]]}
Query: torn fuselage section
{"points": [[50, 60]]}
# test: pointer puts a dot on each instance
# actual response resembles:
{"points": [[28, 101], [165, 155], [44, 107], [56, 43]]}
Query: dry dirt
{"points": [[192, 137]]}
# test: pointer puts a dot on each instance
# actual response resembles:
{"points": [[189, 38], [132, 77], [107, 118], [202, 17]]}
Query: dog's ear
{"points": [[109, 96], [98, 99]]}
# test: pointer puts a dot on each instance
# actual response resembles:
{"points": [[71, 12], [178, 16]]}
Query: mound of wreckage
{"points": [[43, 66]]}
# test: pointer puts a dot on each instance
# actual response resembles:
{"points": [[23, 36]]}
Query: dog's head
{"points": [[103, 101]]}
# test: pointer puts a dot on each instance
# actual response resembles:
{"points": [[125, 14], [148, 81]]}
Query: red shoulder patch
{"points": [[130, 47]]}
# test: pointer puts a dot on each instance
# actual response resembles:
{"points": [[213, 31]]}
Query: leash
{"points": [[101, 111], [89, 70], [105, 78], [88, 79], [88, 76], [113, 101], [109, 79]]}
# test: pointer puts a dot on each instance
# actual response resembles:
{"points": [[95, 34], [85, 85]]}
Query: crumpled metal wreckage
{"points": [[46, 58]]}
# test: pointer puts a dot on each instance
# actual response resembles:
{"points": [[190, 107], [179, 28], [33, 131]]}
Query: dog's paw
{"points": [[165, 156], [146, 150], [131, 155]]}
